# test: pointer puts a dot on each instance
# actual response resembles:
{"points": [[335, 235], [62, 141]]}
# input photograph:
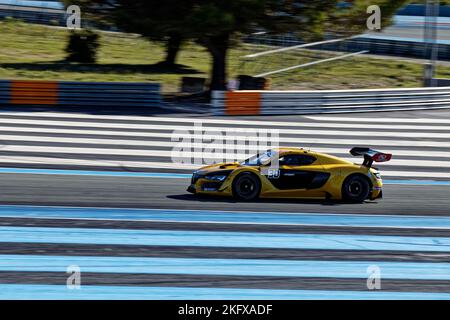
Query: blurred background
{"points": [[96, 95], [209, 43]]}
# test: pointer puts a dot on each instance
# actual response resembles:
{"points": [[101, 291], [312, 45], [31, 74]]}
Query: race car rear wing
{"points": [[370, 155]]}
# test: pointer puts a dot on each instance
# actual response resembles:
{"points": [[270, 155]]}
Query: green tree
{"points": [[216, 24], [155, 20]]}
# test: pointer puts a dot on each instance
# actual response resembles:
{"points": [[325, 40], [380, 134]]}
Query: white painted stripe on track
{"points": [[227, 129], [187, 155], [396, 153], [170, 144], [258, 123], [381, 120], [97, 162], [169, 165], [410, 163], [300, 141], [377, 121]]}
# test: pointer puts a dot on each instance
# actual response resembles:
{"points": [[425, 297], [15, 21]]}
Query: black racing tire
{"points": [[355, 189], [246, 186]]}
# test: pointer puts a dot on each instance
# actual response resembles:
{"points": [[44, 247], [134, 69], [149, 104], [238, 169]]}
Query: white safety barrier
{"points": [[328, 101]]}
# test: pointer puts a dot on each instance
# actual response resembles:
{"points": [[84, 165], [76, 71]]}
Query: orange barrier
{"points": [[79, 94], [242, 103], [34, 92]]}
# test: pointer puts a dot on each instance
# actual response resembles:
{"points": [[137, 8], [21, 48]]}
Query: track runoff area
{"points": [[93, 207]]}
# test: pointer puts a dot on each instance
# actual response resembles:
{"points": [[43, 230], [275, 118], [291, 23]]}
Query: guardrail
{"points": [[328, 101], [72, 93]]}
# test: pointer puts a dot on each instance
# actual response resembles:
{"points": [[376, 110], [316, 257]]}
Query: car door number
{"points": [[273, 173]]}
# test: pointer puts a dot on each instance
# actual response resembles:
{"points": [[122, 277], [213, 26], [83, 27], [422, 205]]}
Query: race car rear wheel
{"points": [[246, 186], [356, 188]]}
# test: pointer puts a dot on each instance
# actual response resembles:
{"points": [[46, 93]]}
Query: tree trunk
{"points": [[172, 49], [218, 47]]}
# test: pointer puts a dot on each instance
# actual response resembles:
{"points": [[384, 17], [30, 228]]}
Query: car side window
{"points": [[296, 160]]}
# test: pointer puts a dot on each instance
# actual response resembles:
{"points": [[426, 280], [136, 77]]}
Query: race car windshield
{"points": [[258, 160]]}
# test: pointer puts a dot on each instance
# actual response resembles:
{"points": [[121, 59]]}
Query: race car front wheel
{"points": [[246, 186], [356, 188]]}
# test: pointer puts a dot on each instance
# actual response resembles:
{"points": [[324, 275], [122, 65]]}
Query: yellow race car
{"points": [[294, 173]]}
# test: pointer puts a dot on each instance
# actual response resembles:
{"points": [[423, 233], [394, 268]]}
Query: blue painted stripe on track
{"points": [[418, 182], [170, 175], [238, 217], [96, 173], [59, 292], [222, 239], [227, 267]]}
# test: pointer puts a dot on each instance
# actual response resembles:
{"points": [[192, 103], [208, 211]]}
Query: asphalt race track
{"points": [[163, 193], [101, 193]]}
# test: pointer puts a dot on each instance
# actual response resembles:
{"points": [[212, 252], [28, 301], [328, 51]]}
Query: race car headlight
{"points": [[216, 177], [377, 175], [196, 175]]}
